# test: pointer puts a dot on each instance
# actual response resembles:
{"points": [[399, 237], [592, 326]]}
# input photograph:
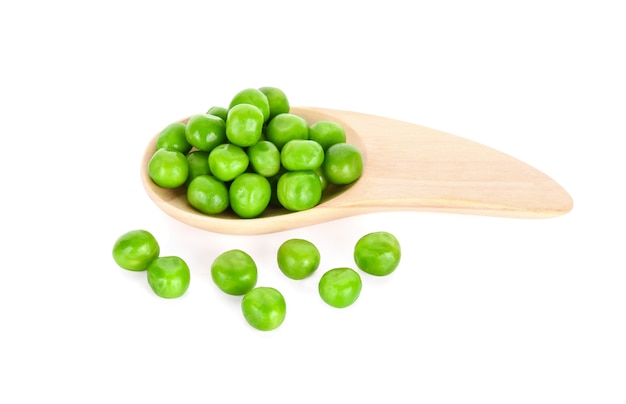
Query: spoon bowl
{"points": [[406, 167]]}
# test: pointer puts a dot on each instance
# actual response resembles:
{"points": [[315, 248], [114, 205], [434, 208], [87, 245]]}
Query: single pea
{"points": [[220, 112], [327, 133], [279, 104], [286, 127], [227, 161], [252, 96], [173, 137], [244, 125], [299, 190], [298, 258], [301, 154], [377, 253], [205, 131], [234, 272], [264, 308], [168, 168], [340, 287], [198, 161], [249, 195], [208, 195], [343, 164], [169, 277], [135, 250], [264, 158]]}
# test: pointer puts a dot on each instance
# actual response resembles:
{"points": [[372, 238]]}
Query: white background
{"points": [[484, 310]]}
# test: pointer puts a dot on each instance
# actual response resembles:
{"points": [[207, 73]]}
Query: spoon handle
{"points": [[411, 167]]}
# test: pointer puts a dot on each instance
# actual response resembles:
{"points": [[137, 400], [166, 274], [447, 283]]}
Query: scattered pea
{"points": [[377, 253], [135, 250], [340, 287], [234, 272], [169, 277], [264, 308], [298, 258]]}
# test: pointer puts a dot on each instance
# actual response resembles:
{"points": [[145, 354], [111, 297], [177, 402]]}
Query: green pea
{"points": [[249, 195], [340, 287], [252, 96], [279, 104], [227, 161], [264, 308], [169, 277], [274, 202], [343, 164], [234, 272], [207, 194], [198, 161], [299, 190], [286, 127], [173, 137], [301, 154], [220, 112], [298, 258], [168, 168], [244, 125], [135, 250], [377, 253], [264, 158], [205, 131], [327, 133], [320, 173]]}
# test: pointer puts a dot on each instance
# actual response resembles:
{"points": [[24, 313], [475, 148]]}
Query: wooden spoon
{"points": [[406, 167]]}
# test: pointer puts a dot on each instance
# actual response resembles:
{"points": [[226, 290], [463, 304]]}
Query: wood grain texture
{"points": [[406, 167]]}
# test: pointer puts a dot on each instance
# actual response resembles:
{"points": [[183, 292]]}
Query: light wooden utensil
{"points": [[406, 167]]}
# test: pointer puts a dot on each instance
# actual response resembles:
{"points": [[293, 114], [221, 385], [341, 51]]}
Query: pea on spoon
{"points": [[406, 167]]}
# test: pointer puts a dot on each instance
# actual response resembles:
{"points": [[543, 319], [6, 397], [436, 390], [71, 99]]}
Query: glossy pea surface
{"points": [[265, 158], [343, 164], [218, 111], [286, 127], [264, 308], [277, 99], [298, 258], [205, 131], [252, 96], [234, 272], [168, 168], [249, 195], [135, 250], [198, 162], [377, 253], [207, 194], [173, 137], [169, 277], [227, 161], [327, 133], [299, 190], [300, 154], [244, 125], [340, 287]]}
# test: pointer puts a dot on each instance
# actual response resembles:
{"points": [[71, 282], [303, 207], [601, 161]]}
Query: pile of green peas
{"points": [[253, 155], [235, 272]]}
